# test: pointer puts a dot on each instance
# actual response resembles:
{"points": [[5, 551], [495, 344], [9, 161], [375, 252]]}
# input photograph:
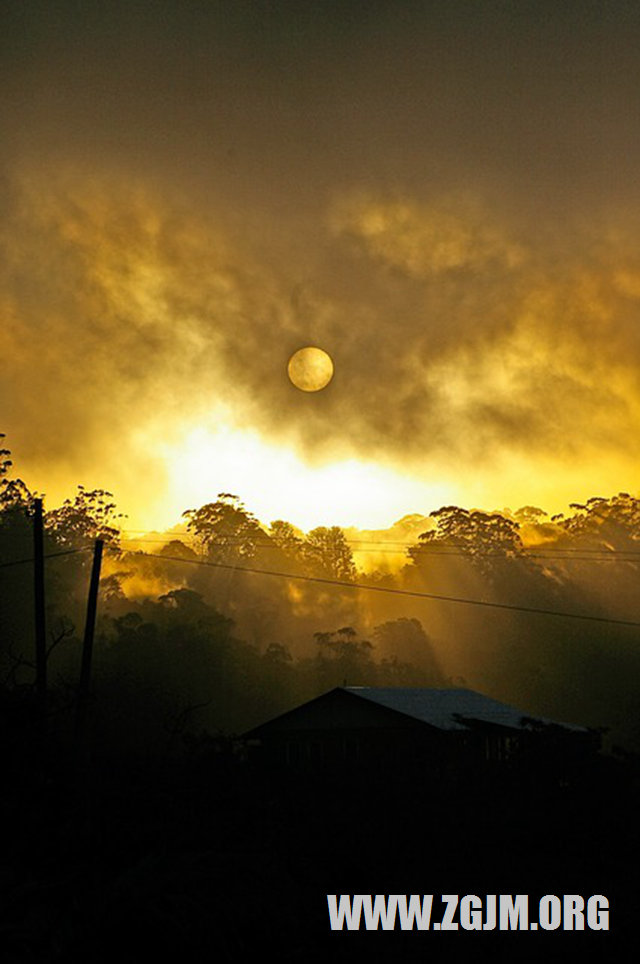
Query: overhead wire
{"points": [[174, 537], [235, 540], [47, 555], [399, 592], [574, 555], [349, 585]]}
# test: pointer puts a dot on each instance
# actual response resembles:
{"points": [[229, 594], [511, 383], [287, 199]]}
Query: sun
{"points": [[310, 369]]}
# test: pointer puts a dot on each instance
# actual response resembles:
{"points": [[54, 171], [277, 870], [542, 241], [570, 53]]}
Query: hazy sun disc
{"points": [[310, 369]]}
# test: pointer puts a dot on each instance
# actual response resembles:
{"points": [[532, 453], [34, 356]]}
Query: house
{"points": [[357, 726]]}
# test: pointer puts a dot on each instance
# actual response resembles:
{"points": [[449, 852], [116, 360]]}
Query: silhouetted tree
{"points": [[14, 494], [406, 640], [288, 539], [90, 515], [472, 533], [344, 656], [608, 523], [225, 529], [327, 553], [176, 549]]}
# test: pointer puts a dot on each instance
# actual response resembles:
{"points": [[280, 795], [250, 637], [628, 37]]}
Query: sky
{"points": [[441, 195]]}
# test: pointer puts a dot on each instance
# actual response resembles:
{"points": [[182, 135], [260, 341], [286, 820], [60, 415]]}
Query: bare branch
{"points": [[66, 629]]}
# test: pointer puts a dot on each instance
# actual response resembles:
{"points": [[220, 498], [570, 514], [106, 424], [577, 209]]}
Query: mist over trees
{"points": [[187, 642]]}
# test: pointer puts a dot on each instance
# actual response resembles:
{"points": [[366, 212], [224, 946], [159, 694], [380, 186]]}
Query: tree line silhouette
{"points": [[162, 838], [221, 649]]}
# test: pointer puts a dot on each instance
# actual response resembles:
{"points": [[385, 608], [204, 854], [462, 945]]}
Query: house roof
{"points": [[449, 709], [366, 706]]}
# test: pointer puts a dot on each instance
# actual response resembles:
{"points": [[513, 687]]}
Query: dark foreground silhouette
{"points": [[211, 856]]}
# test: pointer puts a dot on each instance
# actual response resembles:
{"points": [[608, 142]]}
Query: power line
{"points": [[573, 554], [605, 556], [172, 536], [431, 555], [399, 592], [48, 555], [352, 585]]}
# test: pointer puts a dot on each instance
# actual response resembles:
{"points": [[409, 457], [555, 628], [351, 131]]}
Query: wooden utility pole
{"points": [[38, 586], [87, 646]]}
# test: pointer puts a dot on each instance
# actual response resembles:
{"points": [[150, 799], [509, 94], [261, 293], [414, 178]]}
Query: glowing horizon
{"points": [[191, 467]]}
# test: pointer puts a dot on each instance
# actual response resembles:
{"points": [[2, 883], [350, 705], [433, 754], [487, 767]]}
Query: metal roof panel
{"points": [[447, 709]]}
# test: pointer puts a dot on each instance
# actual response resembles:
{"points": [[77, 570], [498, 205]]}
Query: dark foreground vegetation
{"points": [[135, 857], [148, 832]]}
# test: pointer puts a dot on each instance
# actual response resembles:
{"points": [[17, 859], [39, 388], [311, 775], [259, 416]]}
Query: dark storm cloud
{"points": [[442, 195]]}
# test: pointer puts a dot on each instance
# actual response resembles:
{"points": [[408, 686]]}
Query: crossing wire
{"points": [[48, 555], [399, 592], [559, 554], [359, 586]]}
